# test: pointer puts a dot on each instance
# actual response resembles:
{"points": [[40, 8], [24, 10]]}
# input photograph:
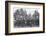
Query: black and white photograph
{"points": [[26, 17]]}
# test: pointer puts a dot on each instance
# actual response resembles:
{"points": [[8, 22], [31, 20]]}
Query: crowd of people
{"points": [[22, 19]]}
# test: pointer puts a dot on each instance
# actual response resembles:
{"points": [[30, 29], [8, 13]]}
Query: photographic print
{"points": [[24, 17]]}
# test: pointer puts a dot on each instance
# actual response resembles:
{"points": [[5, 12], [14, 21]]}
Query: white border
{"points": [[12, 29]]}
